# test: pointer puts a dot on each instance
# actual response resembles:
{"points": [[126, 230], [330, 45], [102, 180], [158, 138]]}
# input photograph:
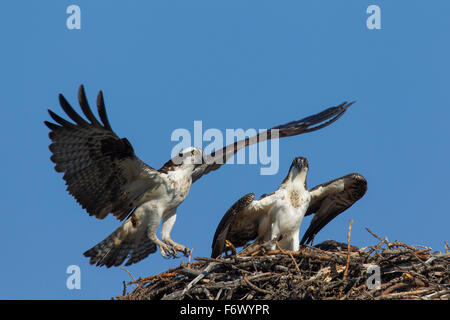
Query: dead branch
{"points": [[339, 272]]}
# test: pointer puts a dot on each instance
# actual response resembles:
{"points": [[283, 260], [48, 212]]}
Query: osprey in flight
{"points": [[104, 175], [278, 216]]}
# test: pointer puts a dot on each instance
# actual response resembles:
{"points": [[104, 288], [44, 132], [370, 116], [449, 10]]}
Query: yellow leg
{"points": [[230, 246]]}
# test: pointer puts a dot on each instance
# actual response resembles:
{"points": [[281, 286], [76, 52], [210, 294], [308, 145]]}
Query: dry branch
{"points": [[339, 272]]}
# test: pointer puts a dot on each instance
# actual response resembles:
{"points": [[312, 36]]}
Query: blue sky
{"points": [[231, 64]]}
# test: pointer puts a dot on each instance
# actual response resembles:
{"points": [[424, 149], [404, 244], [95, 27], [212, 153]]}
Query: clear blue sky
{"points": [[231, 64]]}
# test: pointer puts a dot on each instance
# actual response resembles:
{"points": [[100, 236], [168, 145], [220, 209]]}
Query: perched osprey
{"points": [[105, 176], [278, 216]]}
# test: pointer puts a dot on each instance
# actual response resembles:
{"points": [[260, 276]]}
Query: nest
{"points": [[330, 270]]}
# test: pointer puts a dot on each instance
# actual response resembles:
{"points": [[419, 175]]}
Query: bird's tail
{"points": [[130, 240]]}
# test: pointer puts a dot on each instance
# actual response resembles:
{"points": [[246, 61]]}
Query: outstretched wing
{"points": [[312, 123], [100, 169], [240, 223], [330, 199]]}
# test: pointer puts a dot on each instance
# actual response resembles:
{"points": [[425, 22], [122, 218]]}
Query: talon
{"points": [[230, 246], [163, 252], [167, 252], [175, 248], [181, 248], [188, 252]]}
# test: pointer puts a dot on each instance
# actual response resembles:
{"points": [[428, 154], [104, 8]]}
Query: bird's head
{"points": [[187, 159], [298, 171]]}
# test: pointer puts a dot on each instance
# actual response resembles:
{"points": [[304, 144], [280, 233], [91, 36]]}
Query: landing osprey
{"points": [[105, 176], [278, 216]]}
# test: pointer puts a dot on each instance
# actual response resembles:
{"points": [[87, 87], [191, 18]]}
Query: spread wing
{"points": [[330, 199], [100, 169], [240, 223], [312, 123]]}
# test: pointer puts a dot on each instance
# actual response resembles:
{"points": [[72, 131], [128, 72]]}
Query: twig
{"points": [[166, 274], [379, 238], [290, 255], [348, 250], [134, 280], [251, 285], [437, 294], [189, 259], [218, 294], [404, 294], [254, 265], [181, 293], [220, 260], [396, 286]]}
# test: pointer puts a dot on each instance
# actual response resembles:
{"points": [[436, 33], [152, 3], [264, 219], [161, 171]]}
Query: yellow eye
{"points": [[192, 152]]}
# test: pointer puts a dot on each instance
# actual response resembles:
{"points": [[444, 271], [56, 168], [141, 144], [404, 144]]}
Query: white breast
{"points": [[287, 213], [179, 183], [172, 192]]}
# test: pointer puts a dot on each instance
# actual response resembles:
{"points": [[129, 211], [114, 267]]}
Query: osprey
{"points": [[278, 216], [104, 175]]}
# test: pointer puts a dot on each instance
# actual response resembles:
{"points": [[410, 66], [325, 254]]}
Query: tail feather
{"points": [[130, 240], [141, 251]]}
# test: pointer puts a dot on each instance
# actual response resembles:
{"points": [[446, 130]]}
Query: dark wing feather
{"points": [[330, 199], [308, 124], [100, 169], [70, 112], [223, 229], [87, 110], [102, 111]]}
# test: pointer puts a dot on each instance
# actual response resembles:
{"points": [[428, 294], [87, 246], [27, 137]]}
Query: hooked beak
{"points": [[300, 162]]}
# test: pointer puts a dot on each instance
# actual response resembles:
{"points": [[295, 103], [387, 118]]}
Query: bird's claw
{"points": [[180, 248], [230, 246], [169, 251]]}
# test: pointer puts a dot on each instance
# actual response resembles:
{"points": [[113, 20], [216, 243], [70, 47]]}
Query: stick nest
{"points": [[330, 270]]}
